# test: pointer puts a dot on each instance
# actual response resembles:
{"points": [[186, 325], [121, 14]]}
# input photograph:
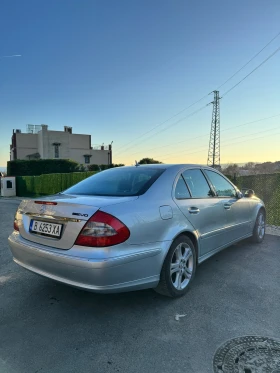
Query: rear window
{"points": [[121, 182]]}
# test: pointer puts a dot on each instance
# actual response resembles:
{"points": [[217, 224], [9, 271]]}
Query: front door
{"points": [[238, 211], [195, 198]]}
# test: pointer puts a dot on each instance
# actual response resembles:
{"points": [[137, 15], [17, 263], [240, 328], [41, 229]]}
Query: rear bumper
{"points": [[134, 271]]}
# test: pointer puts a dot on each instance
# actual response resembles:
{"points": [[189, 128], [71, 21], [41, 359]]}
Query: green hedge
{"points": [[41, 166], [266, 187], [102, 167], [34, 186]]}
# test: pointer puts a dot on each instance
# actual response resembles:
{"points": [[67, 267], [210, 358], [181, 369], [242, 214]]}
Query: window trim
{"points": [[191, 196], [188, 189], [212, 186], [87, 157], [56, 151]]}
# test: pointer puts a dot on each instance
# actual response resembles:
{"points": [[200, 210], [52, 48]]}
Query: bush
{"points": [[266, 187], [117, 164], [33, 186], [41, 166], [93, 167], [148, 161], [96, 167]]}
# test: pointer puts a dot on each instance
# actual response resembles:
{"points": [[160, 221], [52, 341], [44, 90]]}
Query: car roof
{"points": [[178, 166]]}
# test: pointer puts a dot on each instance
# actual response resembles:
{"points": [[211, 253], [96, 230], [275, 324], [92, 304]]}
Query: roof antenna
{"points": [[137, 164]]}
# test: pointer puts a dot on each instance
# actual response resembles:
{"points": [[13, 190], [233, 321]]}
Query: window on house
{"points": [[56, 151], [87, 159]]}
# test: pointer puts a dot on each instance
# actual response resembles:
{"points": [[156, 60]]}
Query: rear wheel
{"points": [[259, 228], [178, 268]]}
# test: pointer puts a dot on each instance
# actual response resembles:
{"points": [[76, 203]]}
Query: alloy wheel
{"points": [[261, 226], [181, 267]]}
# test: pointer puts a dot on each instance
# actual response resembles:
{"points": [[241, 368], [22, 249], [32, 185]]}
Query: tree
{"points": [[148, 161], [231, 170], [249, 166]]}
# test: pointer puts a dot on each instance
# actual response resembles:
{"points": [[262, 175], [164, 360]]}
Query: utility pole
{"points": [[214, 143]]}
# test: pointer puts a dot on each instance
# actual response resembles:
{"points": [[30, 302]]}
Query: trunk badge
{"points": [[43, 209]]}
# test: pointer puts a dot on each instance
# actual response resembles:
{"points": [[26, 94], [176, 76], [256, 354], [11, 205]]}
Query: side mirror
{"points": [[239, 195], [249, 193]]}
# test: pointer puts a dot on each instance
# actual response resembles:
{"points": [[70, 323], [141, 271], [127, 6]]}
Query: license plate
{"points": [[45, 229]]}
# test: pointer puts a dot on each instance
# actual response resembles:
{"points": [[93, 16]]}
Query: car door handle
{"points": [[193, 210], [227, 206]]}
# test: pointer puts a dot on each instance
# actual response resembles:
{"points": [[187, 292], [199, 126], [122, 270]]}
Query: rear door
{"points": [[238, 210], [195, 198]]}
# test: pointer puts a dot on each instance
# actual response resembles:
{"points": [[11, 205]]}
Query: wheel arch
{"points": [[262, 208], [192, 236]]}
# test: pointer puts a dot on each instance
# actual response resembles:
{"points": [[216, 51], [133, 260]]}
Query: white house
{"points": [[41, 143]]}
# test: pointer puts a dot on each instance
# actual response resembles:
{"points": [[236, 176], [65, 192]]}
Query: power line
{"points": [[254, 121], [271, 129], [235, 138], [160, 124], [262, 63], [238, 142], [164, 129], [247, 63], [174, 143], [200, 136]]}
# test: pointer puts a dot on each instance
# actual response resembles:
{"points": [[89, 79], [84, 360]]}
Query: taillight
{"points": [[101, 230], [45, 203], [16, 228]]}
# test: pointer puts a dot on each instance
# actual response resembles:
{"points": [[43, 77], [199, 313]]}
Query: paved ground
{"points": [[50, 328]]}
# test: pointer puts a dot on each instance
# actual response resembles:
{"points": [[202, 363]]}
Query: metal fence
{"points": [[266, 187]]}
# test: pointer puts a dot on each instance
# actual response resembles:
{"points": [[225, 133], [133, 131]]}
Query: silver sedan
{"points": [[138, 227]]}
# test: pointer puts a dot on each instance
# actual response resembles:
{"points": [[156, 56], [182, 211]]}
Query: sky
{"points": [[117, 69]]}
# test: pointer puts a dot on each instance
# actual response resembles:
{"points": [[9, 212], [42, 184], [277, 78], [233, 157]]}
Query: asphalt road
{"points": [[49, 327]]}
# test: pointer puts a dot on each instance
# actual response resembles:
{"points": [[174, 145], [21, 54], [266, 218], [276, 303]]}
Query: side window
{"points": [[197, 184], [222, 186], [181, 190]]}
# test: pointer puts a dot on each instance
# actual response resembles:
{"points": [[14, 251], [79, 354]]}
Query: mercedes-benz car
{"points": [[128, 228]]}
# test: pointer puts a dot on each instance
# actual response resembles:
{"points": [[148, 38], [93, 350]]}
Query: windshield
{"points": [[121, 182]]}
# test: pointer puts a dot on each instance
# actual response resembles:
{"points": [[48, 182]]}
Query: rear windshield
{"points": [[122, 182]]}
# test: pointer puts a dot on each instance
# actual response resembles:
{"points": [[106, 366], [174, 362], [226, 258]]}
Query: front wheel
{"points": [[259, 228], [178, 269]]}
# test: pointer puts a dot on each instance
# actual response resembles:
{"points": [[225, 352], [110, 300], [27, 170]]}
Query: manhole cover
{"points": [[248, 355]]}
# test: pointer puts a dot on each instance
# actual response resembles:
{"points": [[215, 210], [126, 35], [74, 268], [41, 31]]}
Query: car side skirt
{"points": [[213, 252]]}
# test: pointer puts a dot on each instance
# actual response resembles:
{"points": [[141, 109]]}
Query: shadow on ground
{"points": [[49, 327]]}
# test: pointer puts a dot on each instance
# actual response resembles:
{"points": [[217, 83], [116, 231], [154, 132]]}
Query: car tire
{"points": [[259, 228], [178, 269]]}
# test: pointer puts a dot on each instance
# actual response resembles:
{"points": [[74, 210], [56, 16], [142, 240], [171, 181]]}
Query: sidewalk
{"points": [[12, 199], [273, 229]]}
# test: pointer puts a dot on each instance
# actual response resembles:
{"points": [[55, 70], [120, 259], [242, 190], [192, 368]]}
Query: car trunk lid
{"points": [[64, 215]]}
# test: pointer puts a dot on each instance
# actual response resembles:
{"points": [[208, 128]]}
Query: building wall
{"points": [[59, 137], [79, 141], [99, 157], [23, 153], [26, 144], [40, 144], [27, 140], [72, 146]]}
